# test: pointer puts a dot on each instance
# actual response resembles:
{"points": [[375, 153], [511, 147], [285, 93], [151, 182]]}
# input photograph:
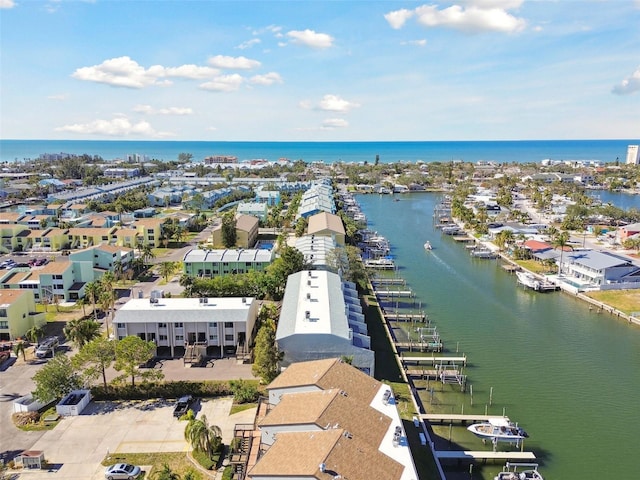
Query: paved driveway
{"points": [[77, 445]]}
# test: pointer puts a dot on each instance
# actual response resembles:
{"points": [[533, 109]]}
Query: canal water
{"points": [[569, 375]]}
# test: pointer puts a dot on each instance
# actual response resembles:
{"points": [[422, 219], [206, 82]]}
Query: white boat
{"points": [[511, 472], [498, 430], [427, 245], [528, 280], [483, 252]]}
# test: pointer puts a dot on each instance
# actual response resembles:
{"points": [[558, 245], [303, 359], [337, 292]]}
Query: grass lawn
{"points": [[534, 266], [626, 301]]}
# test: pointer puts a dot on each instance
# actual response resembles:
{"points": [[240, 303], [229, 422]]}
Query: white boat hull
{"points": [[500, 431]]}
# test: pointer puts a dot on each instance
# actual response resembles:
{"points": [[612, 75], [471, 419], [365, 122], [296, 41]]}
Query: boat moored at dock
{"points": [[511, 472], [529, 280], [498, 430]]}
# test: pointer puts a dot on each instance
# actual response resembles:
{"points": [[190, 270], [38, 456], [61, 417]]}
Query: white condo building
{"points": [[633, 155]]}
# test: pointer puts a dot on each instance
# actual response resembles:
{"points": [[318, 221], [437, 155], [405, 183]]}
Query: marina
{"points": [[470, 301]]}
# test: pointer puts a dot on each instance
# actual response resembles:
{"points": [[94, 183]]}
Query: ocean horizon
{"points": [[502, 151]]}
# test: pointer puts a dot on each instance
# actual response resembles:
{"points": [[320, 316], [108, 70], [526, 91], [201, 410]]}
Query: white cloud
{"points": [[334, 103], [117, 127], [61, 97], [235, 63], [331, 123], [418, 43], [224, 83], [125, 72], [398, 18], [7, 4], [249, 43], [162, 111], [267, 79], [475, 16], [629, 85], [310, 38], [471, 20]]}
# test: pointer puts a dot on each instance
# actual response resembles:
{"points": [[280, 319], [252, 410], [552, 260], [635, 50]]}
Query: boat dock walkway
{"points": [[460, 418], [388, 281], [481, 455], [435, 359], [406, 317], [422, 346], [394, 293]]}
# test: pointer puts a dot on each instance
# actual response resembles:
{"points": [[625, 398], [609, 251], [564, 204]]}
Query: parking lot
{"points": [[77, 445]]}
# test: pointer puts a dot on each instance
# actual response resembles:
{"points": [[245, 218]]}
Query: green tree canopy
{"points": [[203, 437], [95, 357], [81, 331], [131, 352], [266, 354], [229, 235], [55, 379]]}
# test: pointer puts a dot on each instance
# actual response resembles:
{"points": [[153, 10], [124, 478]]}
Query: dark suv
{"points": [[183, 405], [47, 347]]}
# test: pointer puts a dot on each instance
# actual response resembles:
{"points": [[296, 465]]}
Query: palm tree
{"points": [[107, 299], [166, 474], [561, 240], [167, 269], [203, 437], [34, 334], [147, 253], [21, 348], [81, 332], [92, 290]]}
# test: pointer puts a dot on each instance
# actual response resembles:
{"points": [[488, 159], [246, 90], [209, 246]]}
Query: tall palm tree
{"points": [[167, 269], [560, 241], [147, 253], [92, 290], [81, 332], [107, 299], [202, 436]]}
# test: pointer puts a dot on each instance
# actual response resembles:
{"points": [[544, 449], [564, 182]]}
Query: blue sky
{"points": [[319, 70]]}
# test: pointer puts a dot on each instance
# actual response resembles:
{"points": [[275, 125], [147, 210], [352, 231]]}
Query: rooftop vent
{"points": [[308, 296], [203, 300], [153, 300], [307, 314]]}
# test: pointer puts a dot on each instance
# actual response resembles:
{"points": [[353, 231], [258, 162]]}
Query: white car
{"points": [[120, 471]]}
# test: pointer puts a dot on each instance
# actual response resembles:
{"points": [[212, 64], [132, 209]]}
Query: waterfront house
{"points": [[209, 263], [327, 400], [317, 250], [175, 323], [327, 225], [319, 320], [18, 313], [606, 270]]}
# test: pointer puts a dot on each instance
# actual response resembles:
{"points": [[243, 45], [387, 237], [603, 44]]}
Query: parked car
{"points": [[183, 405], [47, 347], [122, 471]]}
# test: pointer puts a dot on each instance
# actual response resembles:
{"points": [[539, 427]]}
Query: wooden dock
{"points": [[432, 346], [388, 281], [463, 238], [435, 359], [394, 293], [406, 317], [459, 418], [482, 455]]}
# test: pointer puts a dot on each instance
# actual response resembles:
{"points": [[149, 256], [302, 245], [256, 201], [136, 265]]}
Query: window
{"points": [[162, 325], [228, 324], [57, 277], [213, 324], [120, 325], [58, 286], [179, 325], [180, 337], [163, 338], [4, 324], [228, 338], [211, 337], [3, 312]]}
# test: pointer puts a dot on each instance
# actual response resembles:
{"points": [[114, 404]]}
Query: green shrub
{"points": [[203, 459], [244, 391], [145, 391]]}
